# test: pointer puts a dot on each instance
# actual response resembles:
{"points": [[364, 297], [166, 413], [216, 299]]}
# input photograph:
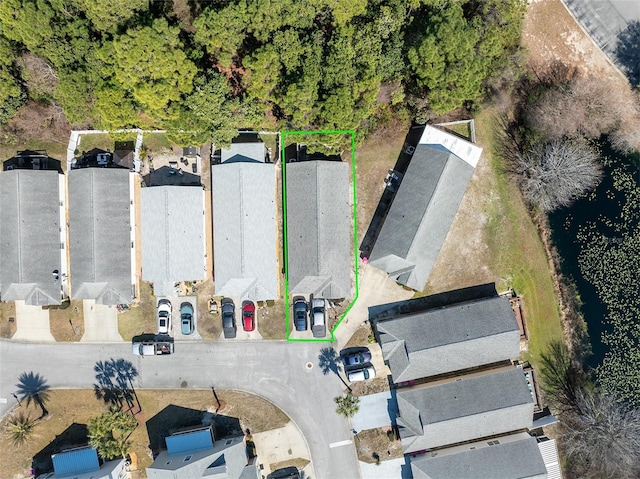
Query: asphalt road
{"points": [[275, 370]]}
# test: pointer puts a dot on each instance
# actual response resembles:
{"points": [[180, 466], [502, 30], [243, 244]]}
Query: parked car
{"points": [[318, 318], [228, 318], [164, 316], [300, 313], [361, 374], [357, 358], [186, 318], [290, 472], [248, 316]]}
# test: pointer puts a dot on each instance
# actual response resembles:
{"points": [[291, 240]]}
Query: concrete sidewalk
{"points": [[283, 444], [375, 288], [100, 322], [32, 323]]}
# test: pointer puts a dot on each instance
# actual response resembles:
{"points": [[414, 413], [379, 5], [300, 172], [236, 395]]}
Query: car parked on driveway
{"points": [[164, 316], [318, 318], [228, 318], [300, 313], [248, 316], [357, 358], [186, 318], [361, 374]]}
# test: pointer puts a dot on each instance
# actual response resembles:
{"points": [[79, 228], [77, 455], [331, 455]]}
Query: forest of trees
{"points": [[201, 69]]}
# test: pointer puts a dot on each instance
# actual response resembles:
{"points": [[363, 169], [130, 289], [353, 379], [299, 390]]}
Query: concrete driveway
{"points": [[32, 323], [282, 444], [375, 288], [100, 322], [287, 374]]}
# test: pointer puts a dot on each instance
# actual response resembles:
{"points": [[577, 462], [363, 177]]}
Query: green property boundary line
{"points": [[283, 136]]}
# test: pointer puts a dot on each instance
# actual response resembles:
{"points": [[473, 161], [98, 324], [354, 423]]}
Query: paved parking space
{"points": [[176, 330], [100, 322], [241, 334], [32, 323]]}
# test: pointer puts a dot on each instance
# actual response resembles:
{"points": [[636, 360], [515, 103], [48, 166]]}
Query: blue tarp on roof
{"points": [[75, 462], [189, 442]]}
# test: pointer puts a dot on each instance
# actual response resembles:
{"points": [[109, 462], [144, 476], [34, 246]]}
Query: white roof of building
{"points": [[173, 241], [245, 230]]}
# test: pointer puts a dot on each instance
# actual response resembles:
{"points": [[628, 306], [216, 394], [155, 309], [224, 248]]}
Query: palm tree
{"points": [[20, 427], [109, 433], [33, 388], [348, 405], [328, 361]]}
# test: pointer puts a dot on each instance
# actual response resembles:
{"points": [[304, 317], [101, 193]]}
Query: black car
{"points": [[290, 472], [228, 318], [300, 313]]}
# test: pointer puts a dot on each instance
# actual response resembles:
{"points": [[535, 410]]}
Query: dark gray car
{"points": [[228, 318], [300, 313]]}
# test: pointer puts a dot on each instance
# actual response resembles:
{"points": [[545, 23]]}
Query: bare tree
{"points": [[555, 174], [561, 379], [589, 107], [603, 440]]}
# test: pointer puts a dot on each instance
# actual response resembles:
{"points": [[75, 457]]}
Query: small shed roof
{"points": [[30, 249], [77, 461], [424, 207], [467, 408], [245, 230], [518, 459], [173, 242], [319, 228], [453, 338], [100, 234], [253, 152], [191, 441]]}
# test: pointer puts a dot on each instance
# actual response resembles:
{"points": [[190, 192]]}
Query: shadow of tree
{"points": [[33, 388], [329, 362], [115, 382], [627, 52]]}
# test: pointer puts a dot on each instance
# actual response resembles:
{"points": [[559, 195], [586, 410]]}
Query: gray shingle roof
{"points": [[519, 459], [100, 234], [245, 230], [227, 460], [452, 338], [244, 152], [30, 248], [470, 407], [319, 228], [423, 209], [173, 242]]}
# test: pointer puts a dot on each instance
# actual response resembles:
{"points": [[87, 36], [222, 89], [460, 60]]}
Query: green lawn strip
{"points": [[156, 142], [102, 141], [55, 149], [517, 254]]}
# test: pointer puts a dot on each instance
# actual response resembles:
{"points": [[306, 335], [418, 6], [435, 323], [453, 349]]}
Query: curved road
{"points": [[273, 369]]}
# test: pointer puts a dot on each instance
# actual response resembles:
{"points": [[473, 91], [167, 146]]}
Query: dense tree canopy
{"points": [[249, 63]]}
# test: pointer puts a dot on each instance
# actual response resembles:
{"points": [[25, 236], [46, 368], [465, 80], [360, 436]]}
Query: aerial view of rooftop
{"points": [[329, 239]]}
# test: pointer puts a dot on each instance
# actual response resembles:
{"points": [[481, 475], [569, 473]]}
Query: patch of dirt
{"points": [[374, 445], [8, 325], [550, 34], [360, 337], [373, 386], [297, 462], [67, 321]]}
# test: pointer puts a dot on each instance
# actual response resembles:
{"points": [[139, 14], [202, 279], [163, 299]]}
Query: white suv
{"points": [[164, 316], [361, 374]]}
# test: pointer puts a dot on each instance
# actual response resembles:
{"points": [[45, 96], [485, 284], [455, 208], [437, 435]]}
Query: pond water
{"points": [[603, 204]]}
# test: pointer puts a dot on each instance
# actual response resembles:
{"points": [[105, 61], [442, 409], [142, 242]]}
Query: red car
{"points": [[248, 316]]}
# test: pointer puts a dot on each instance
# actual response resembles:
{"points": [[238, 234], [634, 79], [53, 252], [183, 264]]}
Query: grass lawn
{"points": [[101, 141], [156, 142], [55, 149], [141, 317], [271, 325], [162, 412], [517, 255]]}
